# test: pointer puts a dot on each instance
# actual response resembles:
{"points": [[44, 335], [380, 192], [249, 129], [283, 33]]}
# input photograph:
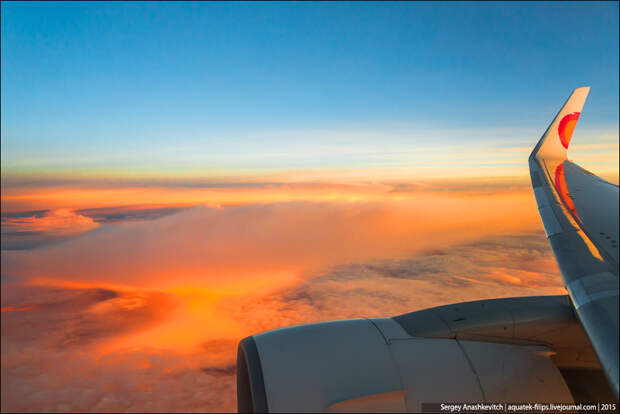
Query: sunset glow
{"points": [[178, 176], [179, 280]]}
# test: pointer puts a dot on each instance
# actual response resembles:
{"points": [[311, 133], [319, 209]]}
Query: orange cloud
{"points": [[227, 246], [158, 194], [202, 257], [145, 314], [16, 309], [116, 350], [34, 229], [61, 221]]}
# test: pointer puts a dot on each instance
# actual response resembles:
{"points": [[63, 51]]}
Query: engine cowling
{"points": [[374, 365]]}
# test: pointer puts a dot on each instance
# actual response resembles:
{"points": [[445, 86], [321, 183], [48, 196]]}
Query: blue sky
{"points": [[286, 85]]}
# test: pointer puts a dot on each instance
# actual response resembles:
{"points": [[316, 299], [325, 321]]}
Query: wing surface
{"points": [[580, 214]]}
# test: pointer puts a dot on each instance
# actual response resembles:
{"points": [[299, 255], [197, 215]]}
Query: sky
{"points": [[178, 176], [249, 88]]}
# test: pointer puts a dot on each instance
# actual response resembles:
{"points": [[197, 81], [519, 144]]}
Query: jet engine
{"points": [[487, 351]]}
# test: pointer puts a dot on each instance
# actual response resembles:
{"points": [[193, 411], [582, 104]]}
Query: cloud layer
{"points": [[33, 229], [63, 360], [143, 311], [233, 244]]}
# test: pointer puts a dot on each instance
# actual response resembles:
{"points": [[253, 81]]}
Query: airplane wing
{"points": [[530, 349], [580, 214]]}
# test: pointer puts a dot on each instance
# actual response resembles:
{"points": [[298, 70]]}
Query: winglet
{"points": [[554, 142]]}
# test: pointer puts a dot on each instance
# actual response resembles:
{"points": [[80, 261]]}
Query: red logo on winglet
{"points": [[566, 127]]}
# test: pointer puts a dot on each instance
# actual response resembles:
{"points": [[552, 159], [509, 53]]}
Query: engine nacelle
{"points": [[374, 365]]}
